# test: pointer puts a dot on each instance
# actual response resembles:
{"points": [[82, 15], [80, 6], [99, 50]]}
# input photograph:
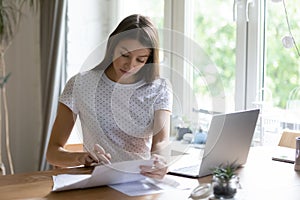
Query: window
{"points": [[280, 92], [215, 35], [214, 30], [202, 59], [220, 55]]}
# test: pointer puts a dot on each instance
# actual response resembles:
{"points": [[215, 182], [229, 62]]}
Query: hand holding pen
{"points": [[102, 156], [95, 157]]}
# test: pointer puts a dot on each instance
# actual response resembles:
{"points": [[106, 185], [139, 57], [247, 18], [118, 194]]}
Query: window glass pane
{"points": [[209, 62], [281, 91], [213, 29]]}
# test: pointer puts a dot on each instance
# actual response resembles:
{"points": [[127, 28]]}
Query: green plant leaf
{"points": [[225, 171], [3, 80]]}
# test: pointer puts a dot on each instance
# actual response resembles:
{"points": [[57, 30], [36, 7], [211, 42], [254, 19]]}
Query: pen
{"points": [[98, 154], [101, 154], [97, 149]]}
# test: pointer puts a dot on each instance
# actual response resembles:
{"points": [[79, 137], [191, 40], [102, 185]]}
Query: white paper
{"points": [[284, 154], [151, 186], [121, 172]]}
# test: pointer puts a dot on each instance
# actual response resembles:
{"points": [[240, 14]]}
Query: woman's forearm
{"points": [[60, 157]]}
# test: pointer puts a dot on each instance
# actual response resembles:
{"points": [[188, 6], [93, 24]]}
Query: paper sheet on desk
{"points": [[115, 173], [151, 186]]}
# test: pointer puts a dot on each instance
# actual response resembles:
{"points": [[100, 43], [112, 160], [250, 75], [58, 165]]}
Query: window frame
{"points": [[249, 55], [249, 63]]}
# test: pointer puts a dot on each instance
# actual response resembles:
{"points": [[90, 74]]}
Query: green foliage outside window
{"points": [[217, 37], [282, 65]]}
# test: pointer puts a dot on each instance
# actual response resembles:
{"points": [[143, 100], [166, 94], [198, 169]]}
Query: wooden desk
{"points": [[261, 178]]}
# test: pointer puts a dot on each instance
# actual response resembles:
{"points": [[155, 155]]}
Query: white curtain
{"points": [[53, 76]]}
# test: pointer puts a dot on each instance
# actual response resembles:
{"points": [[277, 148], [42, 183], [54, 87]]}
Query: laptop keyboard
{"points": [[194, 169]]}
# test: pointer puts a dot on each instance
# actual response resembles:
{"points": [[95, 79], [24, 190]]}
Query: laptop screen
{"points": [[228, 140]]}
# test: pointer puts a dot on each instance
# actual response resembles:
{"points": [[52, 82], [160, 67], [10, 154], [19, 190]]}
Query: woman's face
{"points": [[129, 57]]}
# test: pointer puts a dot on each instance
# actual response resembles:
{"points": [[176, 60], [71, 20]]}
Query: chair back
{"points": [[288, 139]]}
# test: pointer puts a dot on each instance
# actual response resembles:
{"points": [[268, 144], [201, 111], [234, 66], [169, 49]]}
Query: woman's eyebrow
{"points": [[124, 48], [144, 56]]}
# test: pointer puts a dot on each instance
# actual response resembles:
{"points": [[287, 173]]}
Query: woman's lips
{"points": [[124, 71]]}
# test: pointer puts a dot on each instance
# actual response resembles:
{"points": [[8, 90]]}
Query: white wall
{"points": [[24, 96]]}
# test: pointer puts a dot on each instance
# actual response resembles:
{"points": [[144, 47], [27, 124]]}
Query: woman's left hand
{"points": [[158, 170]]}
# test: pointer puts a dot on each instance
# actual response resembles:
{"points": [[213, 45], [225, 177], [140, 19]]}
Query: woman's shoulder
{"points": [[93, 73], [158, 84], [81, 78], [164, 82]]}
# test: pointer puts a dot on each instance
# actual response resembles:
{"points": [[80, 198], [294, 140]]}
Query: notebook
{"points": [[228, 140], [284, 154]]}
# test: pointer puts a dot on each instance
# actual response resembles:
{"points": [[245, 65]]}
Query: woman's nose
{"points": [[131, 63]]}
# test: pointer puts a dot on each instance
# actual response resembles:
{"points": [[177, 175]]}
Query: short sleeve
{"points": [[67, 97], [164, 100]]}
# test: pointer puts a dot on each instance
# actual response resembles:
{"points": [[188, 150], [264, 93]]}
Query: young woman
{"points": [[123, 105]]}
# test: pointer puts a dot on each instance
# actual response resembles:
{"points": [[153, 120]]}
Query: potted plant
{"points": [[225, 181]]}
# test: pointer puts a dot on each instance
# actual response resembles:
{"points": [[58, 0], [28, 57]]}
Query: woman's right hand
{"points": [[99, 156], [102, 156], [87, 159]]}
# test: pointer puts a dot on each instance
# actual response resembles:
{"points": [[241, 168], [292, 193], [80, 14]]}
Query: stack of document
{"points": [[115, 175]]}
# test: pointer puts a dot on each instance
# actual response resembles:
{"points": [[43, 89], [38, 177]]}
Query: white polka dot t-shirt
{"points": [[119, 117]]}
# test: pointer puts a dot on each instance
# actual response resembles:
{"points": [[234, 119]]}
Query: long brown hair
{"points": [[140, 28]]}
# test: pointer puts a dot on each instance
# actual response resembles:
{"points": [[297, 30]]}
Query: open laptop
{"points": [[228, 140]]}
